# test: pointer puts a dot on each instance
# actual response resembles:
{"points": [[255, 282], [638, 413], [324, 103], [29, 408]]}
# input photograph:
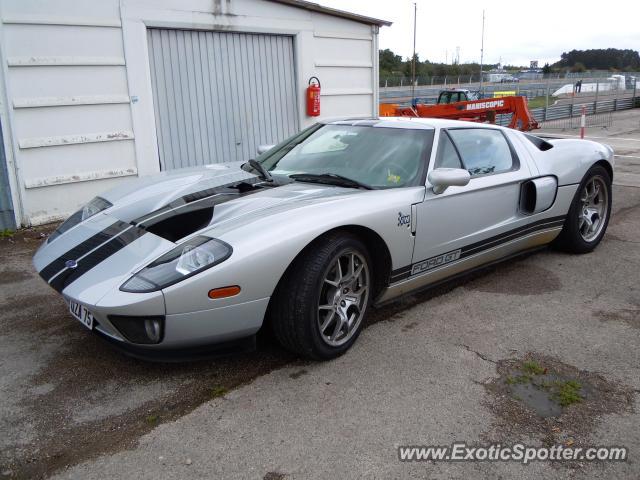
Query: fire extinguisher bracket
{"points": [[313, 97]]}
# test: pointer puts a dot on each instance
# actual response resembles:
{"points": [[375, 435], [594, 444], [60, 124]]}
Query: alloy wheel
{"points": [[343, 297]]}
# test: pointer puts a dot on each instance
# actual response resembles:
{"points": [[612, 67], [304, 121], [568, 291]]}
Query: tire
{"points": [[577, 236], [306, 297]]}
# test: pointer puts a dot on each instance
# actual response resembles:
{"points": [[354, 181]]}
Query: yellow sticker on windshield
{"points": [[391, 178]]}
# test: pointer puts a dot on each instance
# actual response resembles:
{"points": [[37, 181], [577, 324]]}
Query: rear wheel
{"points": [[589, 214], [319, 305]]}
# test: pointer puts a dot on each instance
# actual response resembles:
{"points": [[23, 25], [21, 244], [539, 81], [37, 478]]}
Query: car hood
{"points": [[141, 196], [151, 214], [208, 196]]}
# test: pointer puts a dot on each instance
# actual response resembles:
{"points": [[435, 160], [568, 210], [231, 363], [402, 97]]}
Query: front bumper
{"points": [[188, 354], [183, 330]]}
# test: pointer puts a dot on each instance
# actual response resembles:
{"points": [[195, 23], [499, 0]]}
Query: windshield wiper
{"points": [[330, 179], [264, 174]]}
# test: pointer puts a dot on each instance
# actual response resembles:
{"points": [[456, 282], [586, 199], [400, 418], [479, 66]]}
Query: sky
{"points": [[515, 32]]}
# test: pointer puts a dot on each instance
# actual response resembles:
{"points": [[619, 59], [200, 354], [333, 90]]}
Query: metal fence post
{"points": [[571, 111], [546, 103]]}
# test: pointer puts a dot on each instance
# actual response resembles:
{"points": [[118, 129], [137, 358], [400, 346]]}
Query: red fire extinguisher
{"points": [[313, 97]]}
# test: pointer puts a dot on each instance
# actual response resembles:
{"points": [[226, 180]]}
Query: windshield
{"points": [[375, 156]]}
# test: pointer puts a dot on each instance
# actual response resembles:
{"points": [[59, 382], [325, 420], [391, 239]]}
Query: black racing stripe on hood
{"points": [[83, 248], [216, 195], [59, 276], [195, 196], [99, 255], [167, 213], [194, 211]]}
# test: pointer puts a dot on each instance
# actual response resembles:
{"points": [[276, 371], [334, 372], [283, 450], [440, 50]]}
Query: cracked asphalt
{"points": [[418, 375]]}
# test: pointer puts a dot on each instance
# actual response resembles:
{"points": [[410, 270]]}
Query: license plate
{"points": [[81, 313]]}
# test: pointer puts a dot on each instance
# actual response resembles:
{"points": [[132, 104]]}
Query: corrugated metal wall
{"points": [[217, 96], [7, 220]]}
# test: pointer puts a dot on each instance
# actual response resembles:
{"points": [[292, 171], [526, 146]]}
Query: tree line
{"points": [[599, 59], [393, 65]]}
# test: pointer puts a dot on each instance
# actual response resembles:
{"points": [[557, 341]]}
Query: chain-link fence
{"points": [[552, 105], [460, 80], [566, 116]]}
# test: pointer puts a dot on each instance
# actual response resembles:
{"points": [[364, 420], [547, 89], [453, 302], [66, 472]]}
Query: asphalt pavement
{"points": [[421, 373]]}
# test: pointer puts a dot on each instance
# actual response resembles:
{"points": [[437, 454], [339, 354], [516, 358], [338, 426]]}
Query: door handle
{"points": [[414, 218]]}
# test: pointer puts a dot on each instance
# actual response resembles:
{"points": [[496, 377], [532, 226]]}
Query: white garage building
{"points": [[93, 92]]}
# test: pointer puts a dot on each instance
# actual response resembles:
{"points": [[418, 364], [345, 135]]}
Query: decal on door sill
{"points": [[434, 262]]}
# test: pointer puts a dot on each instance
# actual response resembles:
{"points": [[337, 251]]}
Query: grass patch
{"points": [[218, 392], [532, 375], [6, 233], [532, 368], [518, 380], [539, 102], [529, 370], [567, 393], [152, 419]]}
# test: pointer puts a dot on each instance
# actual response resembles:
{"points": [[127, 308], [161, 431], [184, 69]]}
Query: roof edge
{"points": [[314, 7]]}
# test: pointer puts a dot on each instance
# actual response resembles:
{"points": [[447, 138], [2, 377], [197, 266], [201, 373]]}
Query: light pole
{"points": [[413, 60], [481, 52]]}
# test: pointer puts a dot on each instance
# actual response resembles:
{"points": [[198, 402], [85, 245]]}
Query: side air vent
{"points": [[528, 197], [540, 143], [538, 195]]}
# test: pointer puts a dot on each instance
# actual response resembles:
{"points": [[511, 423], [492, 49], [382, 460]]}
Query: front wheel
{"points": [[319, 305], [589, 213]]}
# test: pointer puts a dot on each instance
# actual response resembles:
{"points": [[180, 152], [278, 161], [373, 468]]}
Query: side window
{"points": [[447, 156], [484, 151]]}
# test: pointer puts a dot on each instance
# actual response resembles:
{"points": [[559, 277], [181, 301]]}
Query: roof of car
{"points": [[406, 122]]}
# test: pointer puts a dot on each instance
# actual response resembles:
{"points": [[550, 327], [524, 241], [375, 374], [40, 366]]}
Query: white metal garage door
{"points": [[217, 96]]}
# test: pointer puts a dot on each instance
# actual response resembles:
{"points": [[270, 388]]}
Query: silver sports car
{"points": [[315, 230]]}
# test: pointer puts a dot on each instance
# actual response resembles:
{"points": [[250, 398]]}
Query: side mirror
{"points": [[443, 178], [264, 148]]}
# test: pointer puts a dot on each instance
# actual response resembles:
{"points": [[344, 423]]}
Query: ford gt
{"points": [[313, 232]]}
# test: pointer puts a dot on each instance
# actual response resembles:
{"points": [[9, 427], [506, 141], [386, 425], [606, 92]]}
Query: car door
{"points": [[470, 219]]}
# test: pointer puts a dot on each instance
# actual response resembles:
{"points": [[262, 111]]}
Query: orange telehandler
{"points": [[484, 110]]}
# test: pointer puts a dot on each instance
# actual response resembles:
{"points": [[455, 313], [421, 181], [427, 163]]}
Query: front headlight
{"points": [[185, 260], [92, 208]]}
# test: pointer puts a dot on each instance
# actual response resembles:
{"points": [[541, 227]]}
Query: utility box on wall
{"points": [[96, 92]]}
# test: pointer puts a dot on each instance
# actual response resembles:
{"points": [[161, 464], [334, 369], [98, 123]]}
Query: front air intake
{"points": [[140, 330]]}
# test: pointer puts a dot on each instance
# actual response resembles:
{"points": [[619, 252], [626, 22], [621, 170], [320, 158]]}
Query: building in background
{"points": [[94, 92]]}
